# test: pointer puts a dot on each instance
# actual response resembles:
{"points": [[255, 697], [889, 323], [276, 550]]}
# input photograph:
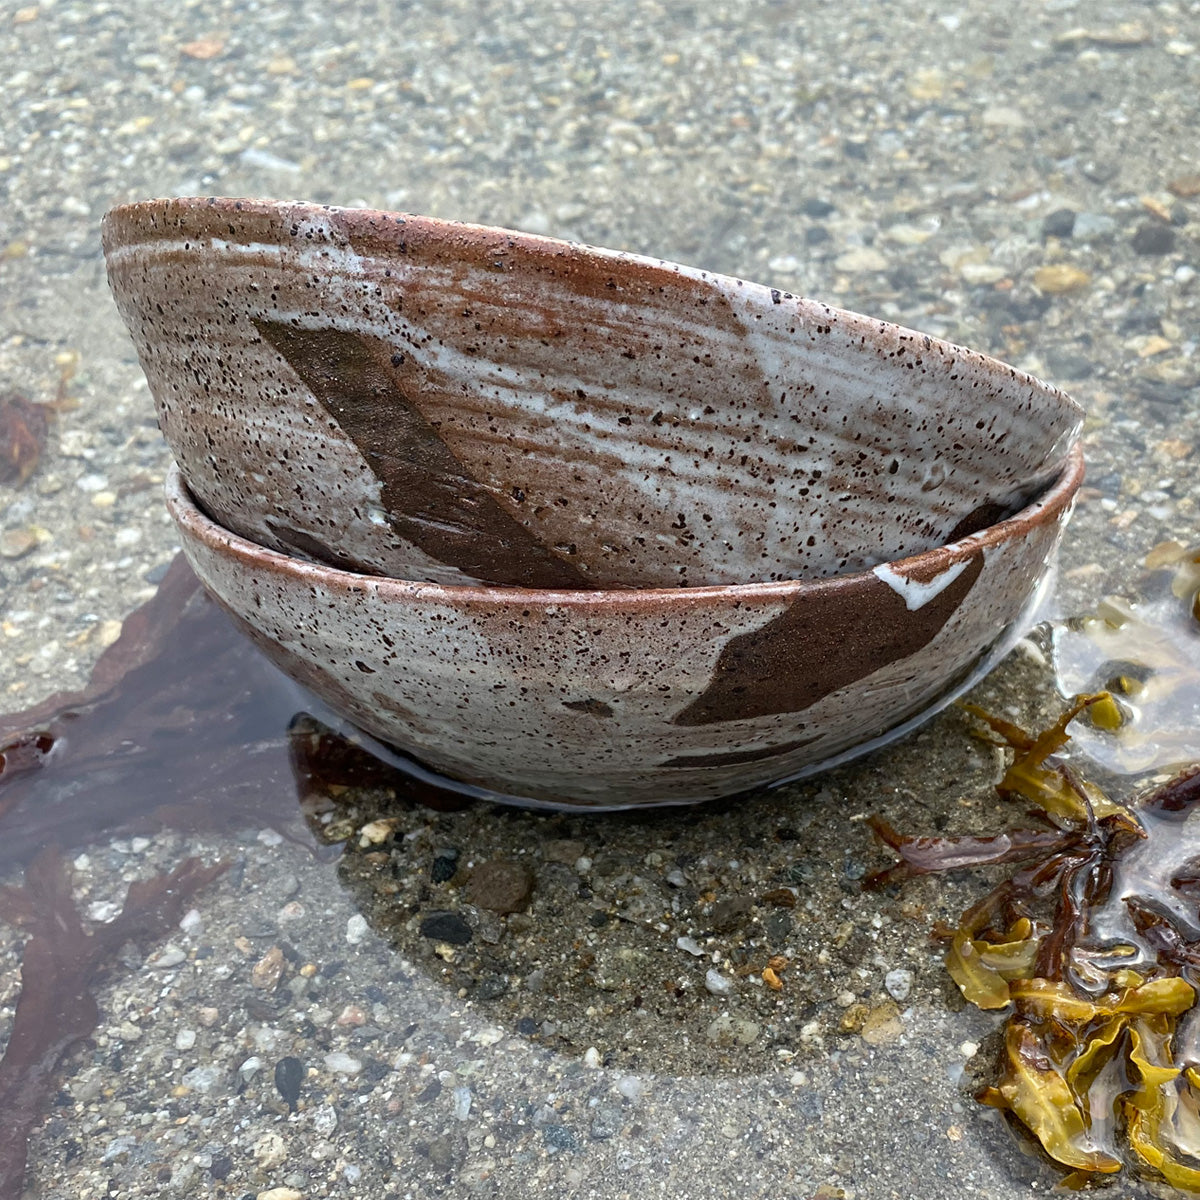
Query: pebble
{"points": [[444, 865], [250, 1068], [192, 923], [814, 207], [898, 983], [461, 1100], [352, 1015], [446, 927], [269, 1150], [726, 1030], [861, 259], [280, 1193], [501, 886], [1153, 237], [117, 1147], [375, 833], [289, 1075], [980, 274], [208, 1016], [1059, 278], [631, 1088], [267, 972], [717, 984], [1094, 227], [16, 543], [559, 1137], [563, 850], [357, 929], [607, 1121], [185, 1039], [1059, 224], [690, 946], [728, 913], [1000, 117], [342, 1063], [591, 1058], [202, 1079], [325, 1120], [169, 956]]}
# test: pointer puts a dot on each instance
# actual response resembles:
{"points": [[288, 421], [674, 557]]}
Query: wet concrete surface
{"points": [[1022, 180]]}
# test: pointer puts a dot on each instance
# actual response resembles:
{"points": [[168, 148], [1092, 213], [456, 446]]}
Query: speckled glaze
{"points": [[618, 698], [401, 396]]}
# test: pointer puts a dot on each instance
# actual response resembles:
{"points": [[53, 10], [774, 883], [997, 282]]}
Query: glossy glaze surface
{"points": [[403, 396], [619, 698]]}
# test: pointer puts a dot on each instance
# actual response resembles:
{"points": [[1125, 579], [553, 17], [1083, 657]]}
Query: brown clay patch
{"points": [[819, 646], [430, 498]]}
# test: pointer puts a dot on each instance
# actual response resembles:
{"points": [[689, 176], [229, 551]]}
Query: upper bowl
{"points": [[402, 396]]}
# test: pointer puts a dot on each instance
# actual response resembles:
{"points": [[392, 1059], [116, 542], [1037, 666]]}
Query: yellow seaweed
{"points": [[1054, 998], [1150, 1108], [1049, 787], [1034, 1089], [981, 984]]}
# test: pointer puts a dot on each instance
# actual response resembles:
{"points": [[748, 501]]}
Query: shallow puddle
{"points": [[665, 962]]}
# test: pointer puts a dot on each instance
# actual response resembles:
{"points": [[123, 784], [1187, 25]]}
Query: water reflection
{"points": [[1144, 647]]}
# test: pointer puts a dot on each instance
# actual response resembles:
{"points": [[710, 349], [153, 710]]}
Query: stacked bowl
{"points": [[579, 527]]}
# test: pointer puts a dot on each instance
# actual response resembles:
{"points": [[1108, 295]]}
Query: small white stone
{"points": [[169, 956], [91, 483], [192, 923], [462, 1103], [717, 984], [270, 837], [325, 1120], [690, 945], [185, 1039], [343, 1064], [250, 1067], [898, 983], [202, 1079], [968, 1049], [982, 273], [591, 1057], [357, 929], [1001, 117], [631, 1087], [103, 911], [861, 258]]}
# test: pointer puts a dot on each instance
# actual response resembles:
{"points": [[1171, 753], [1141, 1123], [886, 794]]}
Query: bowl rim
{"points": [[1051, 507], [377, 230]]}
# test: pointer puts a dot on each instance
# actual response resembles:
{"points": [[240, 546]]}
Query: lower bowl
{"points": [[614, 699]]}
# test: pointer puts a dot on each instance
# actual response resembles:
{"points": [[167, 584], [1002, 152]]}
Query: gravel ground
{"points": [[1022, 178]]}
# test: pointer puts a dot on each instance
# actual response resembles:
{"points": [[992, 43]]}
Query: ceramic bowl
{"points": [[618, 698], [402, 396]]}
